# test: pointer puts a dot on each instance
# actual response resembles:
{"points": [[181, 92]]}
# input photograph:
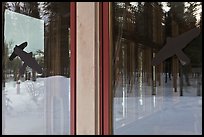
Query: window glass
{"points": [[156, 67], [36, 68]]}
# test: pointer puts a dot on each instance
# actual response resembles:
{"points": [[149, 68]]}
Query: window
{"points": [[36, 82], [149, 97]]}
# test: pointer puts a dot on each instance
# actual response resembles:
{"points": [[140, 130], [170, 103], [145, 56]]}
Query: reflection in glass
{"points": [[36, 103], [161, 99]]}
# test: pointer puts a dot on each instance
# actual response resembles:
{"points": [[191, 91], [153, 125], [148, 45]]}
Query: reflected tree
{"points": [[193, 49], [31, 9], [57, 60], [140, 29]]}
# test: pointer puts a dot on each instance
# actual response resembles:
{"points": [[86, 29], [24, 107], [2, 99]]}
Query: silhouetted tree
{"points": [[31, 9], [190, 15]]}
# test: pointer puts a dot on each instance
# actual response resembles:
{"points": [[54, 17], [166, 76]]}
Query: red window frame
{"points": [[105, 91], [73, 68]]}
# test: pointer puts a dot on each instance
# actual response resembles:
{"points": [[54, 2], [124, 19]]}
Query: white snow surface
{"points": [[135, 113]]}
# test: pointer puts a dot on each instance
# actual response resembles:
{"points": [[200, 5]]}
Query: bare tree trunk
{"points": [[175, 60]]}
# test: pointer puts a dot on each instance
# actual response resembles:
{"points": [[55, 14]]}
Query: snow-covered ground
{"points": [[137, 112], [166, 113], [37, 103]]}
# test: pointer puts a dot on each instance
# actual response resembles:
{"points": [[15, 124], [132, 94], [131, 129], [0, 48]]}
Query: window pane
{"points": [[36, 68], [156, 67]]}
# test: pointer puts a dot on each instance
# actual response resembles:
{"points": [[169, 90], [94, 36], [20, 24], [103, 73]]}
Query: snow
{"points": [[179, 116], [135, 113], [28, 112], [166, 113]]}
